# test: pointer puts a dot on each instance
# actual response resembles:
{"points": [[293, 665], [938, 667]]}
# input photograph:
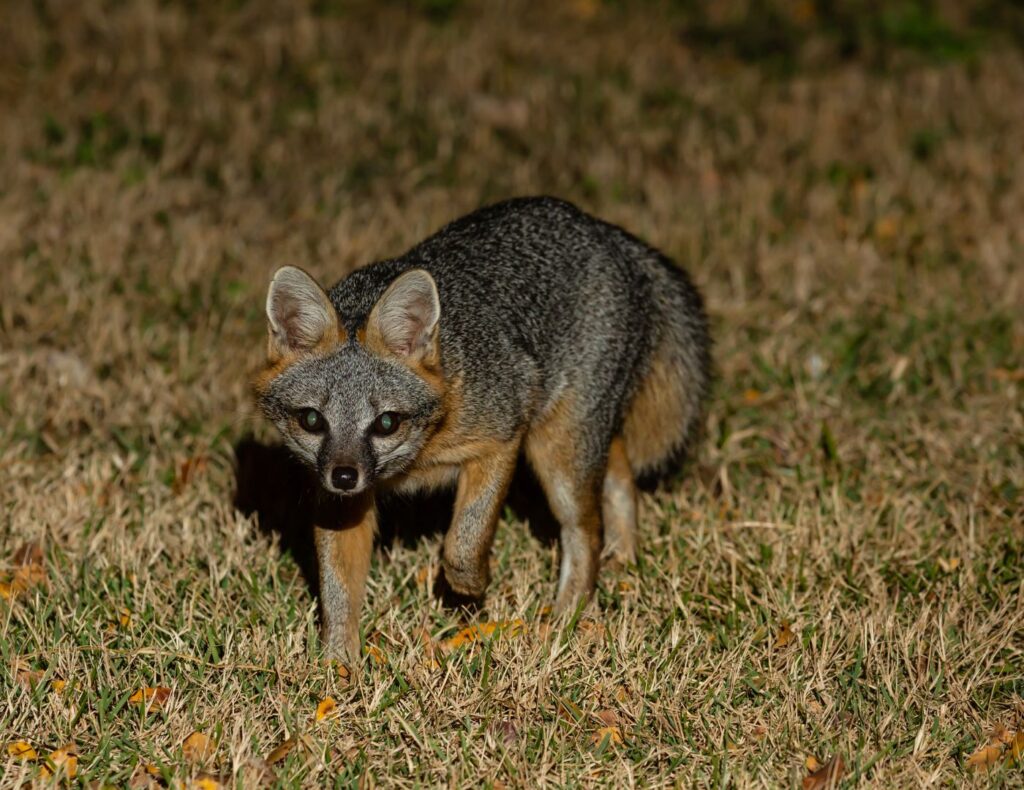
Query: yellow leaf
{"points": [[197, 747], [812, 764], [327, 709], [343, 673], [57, 685], [987, 756], [206, 782], [7, 592], [949, 565], [376, 655], [280, 751], [613, 734], [1016, 749], [475, 633], [751, 396], [150, 697], [608, 718], [621, 694], [125, 617], [65, 759], [827, 775], [887, 227], [785, 637], [20, 750]]}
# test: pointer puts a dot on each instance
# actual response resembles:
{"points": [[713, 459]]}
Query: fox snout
{"points": [[345, 473]]}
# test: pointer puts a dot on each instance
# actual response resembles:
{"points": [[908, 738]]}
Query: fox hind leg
{"points": [[619, 505], [573, 486]]}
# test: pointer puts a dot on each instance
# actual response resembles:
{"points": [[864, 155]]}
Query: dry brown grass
{"points": [[857, 231]]}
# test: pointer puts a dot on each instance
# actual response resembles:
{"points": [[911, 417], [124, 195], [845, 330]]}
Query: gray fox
{"points": [[527, 327]]}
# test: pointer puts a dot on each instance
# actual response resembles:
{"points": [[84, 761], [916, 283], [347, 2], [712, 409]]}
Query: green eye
{"points": [[386, 423], [313, 421]]}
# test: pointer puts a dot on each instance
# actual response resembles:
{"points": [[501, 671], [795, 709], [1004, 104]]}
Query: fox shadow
{"points": [[287, 502]]}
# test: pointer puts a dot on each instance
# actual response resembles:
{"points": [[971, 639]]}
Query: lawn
{"points": [[837, 573]]}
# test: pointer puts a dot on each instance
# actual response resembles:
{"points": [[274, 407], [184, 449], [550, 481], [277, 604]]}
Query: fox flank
{"points": [[527, 328]]}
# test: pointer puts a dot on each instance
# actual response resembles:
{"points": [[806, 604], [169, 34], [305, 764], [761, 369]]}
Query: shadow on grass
{"points": [[287, 501]]}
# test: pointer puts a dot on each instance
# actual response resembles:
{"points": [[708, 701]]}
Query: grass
{"points": [[838, 571]]}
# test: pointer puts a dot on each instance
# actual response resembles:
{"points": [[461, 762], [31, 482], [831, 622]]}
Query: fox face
{"points": [[356, 411]]}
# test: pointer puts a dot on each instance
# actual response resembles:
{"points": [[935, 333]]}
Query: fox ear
{"points": [[299, 312], [404, 320]]}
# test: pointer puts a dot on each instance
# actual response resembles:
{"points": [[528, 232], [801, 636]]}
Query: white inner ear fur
{"points": [[299, 312], [407, 314]]}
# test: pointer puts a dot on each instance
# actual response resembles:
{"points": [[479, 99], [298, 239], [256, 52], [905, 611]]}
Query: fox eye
{"points": [[313, 421], [387, 423]]}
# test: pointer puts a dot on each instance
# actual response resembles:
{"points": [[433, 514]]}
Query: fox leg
{"points": [[483, 483], [618, 505], [573, 485], [344, 542]]}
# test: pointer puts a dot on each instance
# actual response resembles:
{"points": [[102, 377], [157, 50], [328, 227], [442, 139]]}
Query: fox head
{"points": [[355, 410]]}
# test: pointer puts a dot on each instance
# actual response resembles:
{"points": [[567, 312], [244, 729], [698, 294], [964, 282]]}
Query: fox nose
{"points": [[345, 477]]}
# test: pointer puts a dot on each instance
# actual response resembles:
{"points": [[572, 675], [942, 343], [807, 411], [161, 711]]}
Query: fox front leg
{"points": [[483, 483], [344, 542]]}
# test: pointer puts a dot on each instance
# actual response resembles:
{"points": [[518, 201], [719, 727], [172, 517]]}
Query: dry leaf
{"points": [[206, 782], [28, 571], [759, 731], [29, 677], [827, 775], [608, 718], [987, 756], [152, 698], [125, 617], [20, 750], [343, 673], [1016, 749], [327, 709], [377, 657], [949, 565], [613, 734], [751, 396], [64, 759], [197, 747], [785, 637], [1004, 374], [281, 751], [812, 764], [474, 633], [621, 694], [57, 685]]}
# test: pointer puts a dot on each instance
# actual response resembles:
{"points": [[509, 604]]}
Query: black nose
{"points": [[344, 477]]}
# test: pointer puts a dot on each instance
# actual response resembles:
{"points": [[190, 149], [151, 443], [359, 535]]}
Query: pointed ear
{"points": [[404, 320], [299, 312]]}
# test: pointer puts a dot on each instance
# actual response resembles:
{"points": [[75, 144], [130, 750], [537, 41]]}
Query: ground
{"points": [[837, 572]]}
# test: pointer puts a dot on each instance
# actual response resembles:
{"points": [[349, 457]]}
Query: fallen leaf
{"points": [[608, 718], [64, 760], [125, 617], [377, 657], [327, 709], [785, 637], [280, 751], [751, 396], [1016, 749], [28, 554], [759, 731], [29, 677], [1003, 374], [949, 565], [827, 775], [20, 750], [812, 764], [475, 633], [343, 673], [197, 747], [613, 734], [621, 694], [28, 571], [987, 756], [887, 227], [57, 685], [206, 782], [152, 698]]}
